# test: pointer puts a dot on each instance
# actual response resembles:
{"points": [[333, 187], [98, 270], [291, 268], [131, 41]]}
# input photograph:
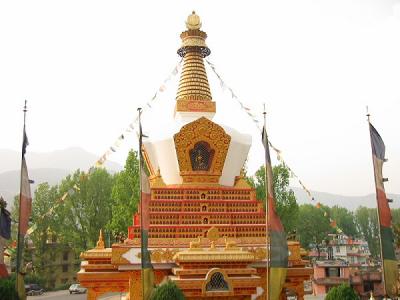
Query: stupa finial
{"points": [[193, 21], [194, 93]]}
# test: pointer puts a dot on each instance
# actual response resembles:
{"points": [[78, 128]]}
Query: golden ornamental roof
{"points": [[194, 93]]}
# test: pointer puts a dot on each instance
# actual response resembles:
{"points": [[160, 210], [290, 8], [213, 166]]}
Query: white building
{"points": [[354, 251]]}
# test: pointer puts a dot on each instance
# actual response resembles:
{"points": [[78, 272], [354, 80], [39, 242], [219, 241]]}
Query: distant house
{"points": [[60, 267], [331, 273], [354, 251], [328, 274], [57, 265], [343, 259]]}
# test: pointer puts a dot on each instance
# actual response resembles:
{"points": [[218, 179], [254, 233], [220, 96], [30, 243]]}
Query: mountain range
{"points": [[53, 166], [350, 202], [49, 167]]}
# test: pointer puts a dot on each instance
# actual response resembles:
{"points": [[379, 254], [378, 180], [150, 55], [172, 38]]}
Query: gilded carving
{"points": [[195, 244], [214, 255], [160, 255], [201, 130], [230, 245], [156, 256], [259, 253], [117, 257], [193, 103]]}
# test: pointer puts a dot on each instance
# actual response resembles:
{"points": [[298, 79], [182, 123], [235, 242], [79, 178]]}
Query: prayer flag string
{"points": [[252, 116], [113, 148]]}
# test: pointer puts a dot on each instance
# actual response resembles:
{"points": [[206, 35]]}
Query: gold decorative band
{"points": [[191, 104]]}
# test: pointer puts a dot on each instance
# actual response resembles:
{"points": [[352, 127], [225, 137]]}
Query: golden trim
{"points": [[117, 256], [161, 255], [148, 162], [96, 254], [214, 255], [191, 104], [156, 180]]}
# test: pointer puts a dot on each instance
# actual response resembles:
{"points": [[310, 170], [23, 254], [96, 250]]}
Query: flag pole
{"points": [[141, 200], [267, 206], [377, 211], [20, 238]]}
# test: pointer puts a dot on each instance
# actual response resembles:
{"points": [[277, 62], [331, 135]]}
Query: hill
{"points": [[350, 202], [66, 159], [49, 167]]}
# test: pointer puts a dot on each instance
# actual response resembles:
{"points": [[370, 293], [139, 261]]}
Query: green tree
{"points": [[313, 226], [367, 223], [395, 216], [396, 226], [345, 220], [45, 198], [87, 208], [167, 290], [286, 205], [125, 195], [342, 292]]}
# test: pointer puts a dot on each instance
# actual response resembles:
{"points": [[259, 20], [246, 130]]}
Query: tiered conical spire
{"points": [[194, 91]]}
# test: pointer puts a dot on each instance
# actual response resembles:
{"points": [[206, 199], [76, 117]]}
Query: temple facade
{"points": [[207, 229]]}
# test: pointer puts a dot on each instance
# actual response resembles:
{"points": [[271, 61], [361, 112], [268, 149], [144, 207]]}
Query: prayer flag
{"points": [[278, 244], [5, 223], [147, 267], [390, 271], [25, 199], [25, 209]]}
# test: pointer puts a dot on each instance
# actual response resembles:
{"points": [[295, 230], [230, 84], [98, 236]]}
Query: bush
{"points": [[62, 287], [7, 289], [342, 292], [167, 291], [34, 278]]}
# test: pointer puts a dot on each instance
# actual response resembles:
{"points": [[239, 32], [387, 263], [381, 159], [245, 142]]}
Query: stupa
{"points": [[207, 229]]}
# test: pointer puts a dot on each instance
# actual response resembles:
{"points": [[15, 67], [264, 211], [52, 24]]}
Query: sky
{"points": [[86, 66]]}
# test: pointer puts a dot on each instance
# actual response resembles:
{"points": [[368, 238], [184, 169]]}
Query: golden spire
{"points": [[194, 91]]}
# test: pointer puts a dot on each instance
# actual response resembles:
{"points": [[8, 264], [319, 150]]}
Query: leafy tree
{"points": [[341, 292], [367, 222], [396, 226], [395, 216], [168, 290], [286, 205], [345, 220], [45, 198], [313, 227], [87, 208], [125, 195]]}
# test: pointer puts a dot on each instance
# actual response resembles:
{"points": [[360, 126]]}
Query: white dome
{"points": [[161, 151]]}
